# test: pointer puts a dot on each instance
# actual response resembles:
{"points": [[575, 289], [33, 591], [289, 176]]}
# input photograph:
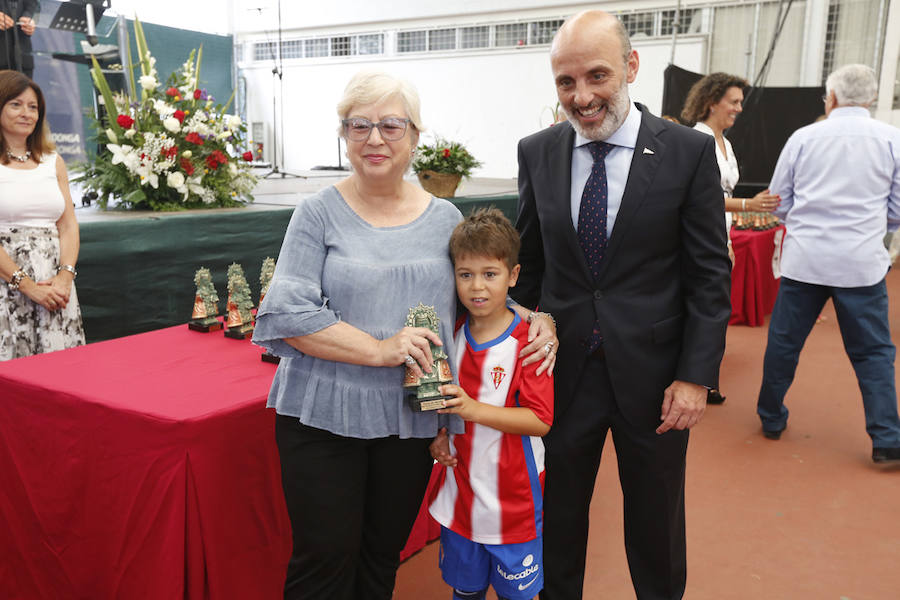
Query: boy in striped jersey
{"points": [[490, 498]]}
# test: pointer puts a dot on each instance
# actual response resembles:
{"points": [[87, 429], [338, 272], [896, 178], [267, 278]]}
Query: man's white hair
{"points": [[853, 85]]}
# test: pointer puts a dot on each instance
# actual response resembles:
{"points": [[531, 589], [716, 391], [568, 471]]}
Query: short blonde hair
{"points": [[369, 87]]}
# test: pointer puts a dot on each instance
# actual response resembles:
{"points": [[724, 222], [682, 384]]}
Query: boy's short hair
{"points": [[486, 232]]}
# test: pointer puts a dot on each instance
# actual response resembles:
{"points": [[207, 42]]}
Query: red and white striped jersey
{"points": [[495, 493]]}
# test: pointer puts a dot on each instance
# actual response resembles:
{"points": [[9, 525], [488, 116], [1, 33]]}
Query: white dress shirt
{"points": [[618, 164], [839, 182]]}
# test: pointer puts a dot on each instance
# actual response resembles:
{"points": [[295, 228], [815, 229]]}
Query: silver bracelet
{"points": [[68, 268], [534, 314], [16, 279]]}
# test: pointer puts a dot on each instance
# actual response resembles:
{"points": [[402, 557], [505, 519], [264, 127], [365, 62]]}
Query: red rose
{"points": [[187, 166], [124, 121], [220, 158], [194, 138], [179, 114], [248, 156], [172, 92], [446, 152], [211, 162], [197, 94]]}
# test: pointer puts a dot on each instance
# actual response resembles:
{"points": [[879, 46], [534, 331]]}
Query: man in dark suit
{"points": [[623, 241], [16, 27]]}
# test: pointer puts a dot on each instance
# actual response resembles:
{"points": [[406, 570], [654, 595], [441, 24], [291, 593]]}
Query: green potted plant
{"points": [[440, 166]]}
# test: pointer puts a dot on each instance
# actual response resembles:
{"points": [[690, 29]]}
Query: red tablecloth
{"points": [[753, 284], [143, 467]]}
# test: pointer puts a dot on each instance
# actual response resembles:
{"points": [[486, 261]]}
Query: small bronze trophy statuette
{"points": [[206, 304], [265, 280], [424, 394], [239, 323]]}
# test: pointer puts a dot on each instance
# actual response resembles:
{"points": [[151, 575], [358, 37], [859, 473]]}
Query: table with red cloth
{"points": [[144, 467], [753, 284]]}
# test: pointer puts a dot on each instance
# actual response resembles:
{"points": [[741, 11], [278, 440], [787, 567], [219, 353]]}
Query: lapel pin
{"points": [[648, 151]]}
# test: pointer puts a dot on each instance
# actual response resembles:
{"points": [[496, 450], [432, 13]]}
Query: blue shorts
{"points": [[515, 570]]}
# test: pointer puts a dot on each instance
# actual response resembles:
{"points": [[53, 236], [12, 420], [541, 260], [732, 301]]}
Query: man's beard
{"points": [[616, 111]]}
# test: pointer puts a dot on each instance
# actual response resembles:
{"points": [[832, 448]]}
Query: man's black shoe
{"points": [[714, 397], [886, 455], [775, 434]]}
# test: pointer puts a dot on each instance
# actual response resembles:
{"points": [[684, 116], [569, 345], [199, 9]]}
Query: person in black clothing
{"points": [[16, 26]]}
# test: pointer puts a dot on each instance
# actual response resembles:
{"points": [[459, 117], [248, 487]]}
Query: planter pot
{"points": [[442, 185]]}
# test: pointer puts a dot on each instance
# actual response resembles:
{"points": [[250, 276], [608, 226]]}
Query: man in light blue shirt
{"points": [[839, 182]]}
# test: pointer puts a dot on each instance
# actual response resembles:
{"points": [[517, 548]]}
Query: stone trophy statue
{"points": [[239, 323], [265, 277], [265, 280], [423, 391], [206, 304]]}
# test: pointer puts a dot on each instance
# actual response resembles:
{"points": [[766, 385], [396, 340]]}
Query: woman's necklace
{"points": [[20, 158]]}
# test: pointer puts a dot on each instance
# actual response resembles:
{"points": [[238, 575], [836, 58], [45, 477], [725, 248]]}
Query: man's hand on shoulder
{"points": [[683, 405]]}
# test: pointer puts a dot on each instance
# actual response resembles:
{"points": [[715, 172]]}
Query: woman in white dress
{"points": [[713, 104], [38, 232]]}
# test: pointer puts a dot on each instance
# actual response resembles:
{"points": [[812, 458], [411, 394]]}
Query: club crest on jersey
{"points": [[497, 375]]}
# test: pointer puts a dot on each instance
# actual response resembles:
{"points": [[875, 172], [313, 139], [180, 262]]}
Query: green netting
{"points": [[137, 274]]}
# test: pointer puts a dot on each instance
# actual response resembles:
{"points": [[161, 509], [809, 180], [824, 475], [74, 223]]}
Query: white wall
{"points": [[487, 101], [259, 15], [208, 16]]}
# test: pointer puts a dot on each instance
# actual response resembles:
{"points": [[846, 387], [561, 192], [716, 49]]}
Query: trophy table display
{"points": [[206, 304], [423, 391], [239, 322]]}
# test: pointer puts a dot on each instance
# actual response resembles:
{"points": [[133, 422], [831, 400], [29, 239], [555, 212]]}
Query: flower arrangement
{"points": [[172, 148], [444, 157]]}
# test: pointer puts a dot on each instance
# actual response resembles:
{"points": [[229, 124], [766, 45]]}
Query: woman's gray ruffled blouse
{"points": [[334, 266]]}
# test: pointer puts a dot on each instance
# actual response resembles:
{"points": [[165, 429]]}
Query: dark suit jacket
{"points": [[662, 300], [9, 37]]}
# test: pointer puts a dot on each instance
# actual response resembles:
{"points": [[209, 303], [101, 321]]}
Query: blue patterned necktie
{"points": [[592, 220]]}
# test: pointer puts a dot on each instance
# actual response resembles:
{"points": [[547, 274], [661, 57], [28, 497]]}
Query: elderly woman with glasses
{"points": [[355, 458]]}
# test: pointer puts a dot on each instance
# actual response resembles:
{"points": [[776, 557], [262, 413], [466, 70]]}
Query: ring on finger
{"points": [[410, 360], [548, 347]]}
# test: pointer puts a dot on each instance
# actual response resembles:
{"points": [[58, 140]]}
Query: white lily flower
{"points": [[119, 152], [176, 180], [163, 109], [111, 135], [233, 121], [195, 187], [149, 82]]}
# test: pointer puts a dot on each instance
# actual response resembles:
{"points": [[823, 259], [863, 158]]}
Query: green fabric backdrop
{"points": [[137, 274]]}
